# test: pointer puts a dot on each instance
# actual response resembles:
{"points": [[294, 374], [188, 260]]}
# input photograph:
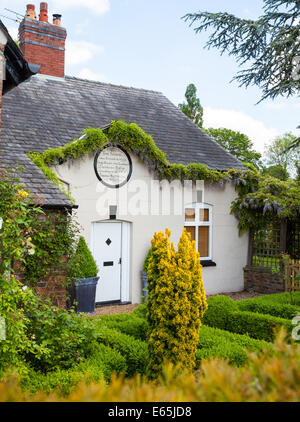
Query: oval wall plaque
{"points": [[113, 166]]}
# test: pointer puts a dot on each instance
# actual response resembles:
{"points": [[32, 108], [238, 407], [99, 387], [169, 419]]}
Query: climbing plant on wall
{"points": [[31, 238], [259, 197]]}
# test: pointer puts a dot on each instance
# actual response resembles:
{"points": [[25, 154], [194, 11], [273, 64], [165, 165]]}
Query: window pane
{"points": [[203, 241], [189, 214], [203, 214], [191, 230]]}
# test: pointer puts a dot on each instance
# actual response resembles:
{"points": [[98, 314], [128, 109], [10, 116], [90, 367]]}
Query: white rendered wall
{"points": [[229, 250]]}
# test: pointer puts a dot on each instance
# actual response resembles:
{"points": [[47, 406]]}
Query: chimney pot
{"points": [[30, 11], [57, 19], [38, 44], [44, 12]]}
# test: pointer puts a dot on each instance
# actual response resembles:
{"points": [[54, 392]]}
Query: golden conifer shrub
{"points": [[176, 302]]}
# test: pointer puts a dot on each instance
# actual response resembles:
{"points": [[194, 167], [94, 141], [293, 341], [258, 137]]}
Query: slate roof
{"points": [[12, 157], [45, 113]]}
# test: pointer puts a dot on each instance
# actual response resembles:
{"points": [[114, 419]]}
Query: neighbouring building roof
{"points": [[46, 113], [17, 68]]}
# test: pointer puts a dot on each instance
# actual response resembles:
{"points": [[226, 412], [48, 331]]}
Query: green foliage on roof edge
{"points": [[260, 198]]}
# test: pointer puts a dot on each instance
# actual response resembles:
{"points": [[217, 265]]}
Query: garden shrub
{"points": [[286, 311], [223, 350], [224, 313], [61, 381], [146, 262], [140, 311], [175, 303], [17, 341], [105, 358], [134, 351], [258, 326], [218, 308], [82, 264], [125, 323], [65, 335], [216, 343], [265, 378], [280, 298], [102, 361]]}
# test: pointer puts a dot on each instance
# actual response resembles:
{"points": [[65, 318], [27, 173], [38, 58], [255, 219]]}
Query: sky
{"points": [[146, 44]]}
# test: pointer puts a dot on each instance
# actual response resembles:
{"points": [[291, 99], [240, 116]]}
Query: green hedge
{"points": [[224, 313], [218, 308], [100, 365], [134, 351], [140, 311], [104, 358], [258, 326], [280, 298], [216, 343], [126, 323], [62, 381], [286, 311]]}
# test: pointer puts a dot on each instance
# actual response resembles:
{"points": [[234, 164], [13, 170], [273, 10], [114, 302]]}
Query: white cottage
{"points": [[120, 202]]}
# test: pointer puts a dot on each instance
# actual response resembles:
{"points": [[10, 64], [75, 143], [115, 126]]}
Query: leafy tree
{"points": [[192, 109], [237, 144], [270, 45], [278, 154], [276, 171]]}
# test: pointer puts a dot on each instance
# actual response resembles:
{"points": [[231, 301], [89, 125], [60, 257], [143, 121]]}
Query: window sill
{"points": [[208, 263]]}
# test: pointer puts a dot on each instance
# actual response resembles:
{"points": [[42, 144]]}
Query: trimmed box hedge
{"points": [[62, 381], [104, 358], [126, 323], [258, 326], [280, 298], [275, 309], [134, 351], [224, 313], [217, 343]]}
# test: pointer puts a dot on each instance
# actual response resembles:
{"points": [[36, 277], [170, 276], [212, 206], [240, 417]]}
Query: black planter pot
{"points": [[82, 292]]}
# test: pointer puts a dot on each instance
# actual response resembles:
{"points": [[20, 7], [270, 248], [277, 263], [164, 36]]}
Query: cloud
{"points": [[87, 73], [96, 6], [78, 52], [240, 122]]}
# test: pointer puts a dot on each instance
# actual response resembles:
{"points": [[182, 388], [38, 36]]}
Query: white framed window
{"points": [[198, 222]]}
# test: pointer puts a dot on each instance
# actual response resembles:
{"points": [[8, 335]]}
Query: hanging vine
{"points": [[259, 197]]}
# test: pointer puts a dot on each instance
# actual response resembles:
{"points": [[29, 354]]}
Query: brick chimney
{"points": [[43, 43]]}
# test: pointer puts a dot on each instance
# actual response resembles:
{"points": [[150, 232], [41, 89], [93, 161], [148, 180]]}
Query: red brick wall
{"points": [[262, 280], [53, 285], [43, 43]]}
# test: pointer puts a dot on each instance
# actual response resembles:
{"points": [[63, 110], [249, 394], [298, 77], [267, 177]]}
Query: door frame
{"points": [[125, 255]]}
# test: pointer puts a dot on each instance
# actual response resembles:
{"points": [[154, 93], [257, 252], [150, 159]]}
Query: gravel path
{"points": [[113, 310], [126, 309]]}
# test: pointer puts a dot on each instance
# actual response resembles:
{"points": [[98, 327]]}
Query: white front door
{"points": [[107, 251]]}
